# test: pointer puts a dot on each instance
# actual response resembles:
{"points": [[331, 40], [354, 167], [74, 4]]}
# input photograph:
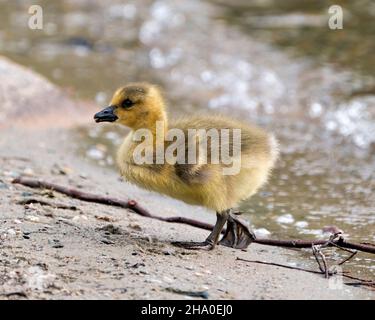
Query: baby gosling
{"points": [[141, 106]]}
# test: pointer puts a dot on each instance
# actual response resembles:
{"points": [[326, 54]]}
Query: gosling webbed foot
{"points": [[238, 235], [192, 245]]}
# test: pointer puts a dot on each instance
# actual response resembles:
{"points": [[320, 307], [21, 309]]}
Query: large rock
{"points": [[27, 99]]}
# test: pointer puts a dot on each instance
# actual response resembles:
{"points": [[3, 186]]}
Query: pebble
{"points": [[135, 226], [56, 169], [28, 172], [154, 281], [168, 252], [137, 265], [107, 241], [12, 232], [167, 279], [111, 229], [56, 244], [32, 218], [79, 217], [220, 278], [104, 218]]}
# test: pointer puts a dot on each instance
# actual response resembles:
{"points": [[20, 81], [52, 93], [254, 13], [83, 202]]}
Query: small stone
{"points": [[111, 229], [220, 278], [56, 169], [155, 281], [32, 218], [11, 232], [28, 172], [56, 244], [167, 279], [135, 226], [168, 251], [79, 217], [105, 218], [47, 193], [107, 241]]}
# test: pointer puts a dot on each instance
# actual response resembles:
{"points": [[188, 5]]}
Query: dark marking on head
{"points": [[134, 90]]}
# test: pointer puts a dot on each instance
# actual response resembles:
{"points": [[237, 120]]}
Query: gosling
{"points": [[141, 106]]}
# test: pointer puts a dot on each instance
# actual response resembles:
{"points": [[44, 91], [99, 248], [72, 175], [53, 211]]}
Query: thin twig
{"points": [[364, 282], [317, 251], [89, 197], [135, 207], [278, 265], [348, 258]]}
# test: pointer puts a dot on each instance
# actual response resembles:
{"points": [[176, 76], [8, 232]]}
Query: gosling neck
{"points": [[157, 125], [158, 122]]}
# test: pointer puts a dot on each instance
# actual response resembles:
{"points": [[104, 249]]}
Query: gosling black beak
{"points": [[106, 115]]}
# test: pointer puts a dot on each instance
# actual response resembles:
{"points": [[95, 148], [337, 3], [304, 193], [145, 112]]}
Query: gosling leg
{"points": [[212, 239], [238, 235]]}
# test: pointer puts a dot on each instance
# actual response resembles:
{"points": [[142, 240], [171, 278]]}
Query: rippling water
{"points": [[222, 58]]}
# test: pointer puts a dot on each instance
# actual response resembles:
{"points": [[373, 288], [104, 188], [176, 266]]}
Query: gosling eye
{"points": [[127, 103]]}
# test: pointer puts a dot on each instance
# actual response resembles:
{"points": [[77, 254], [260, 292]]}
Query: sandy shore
{"points": [[93, 251]]}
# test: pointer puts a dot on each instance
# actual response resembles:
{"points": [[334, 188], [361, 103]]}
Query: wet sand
{"points": [[101, 252]]}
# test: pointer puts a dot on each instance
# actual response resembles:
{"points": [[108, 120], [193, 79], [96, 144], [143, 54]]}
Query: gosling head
{"points": [[136, 105]]}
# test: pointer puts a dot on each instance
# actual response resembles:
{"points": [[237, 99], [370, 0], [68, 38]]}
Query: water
{"points": [[232, 59]]}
